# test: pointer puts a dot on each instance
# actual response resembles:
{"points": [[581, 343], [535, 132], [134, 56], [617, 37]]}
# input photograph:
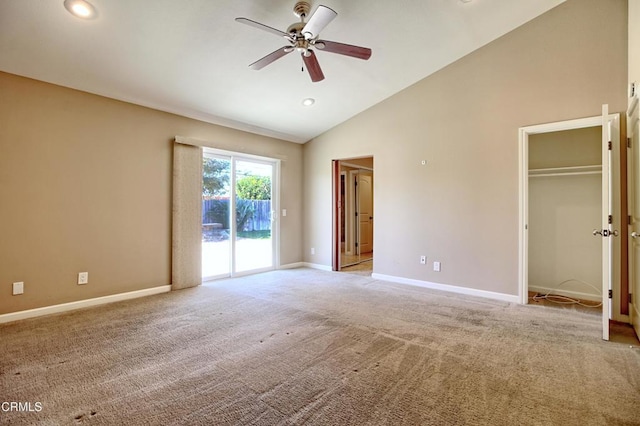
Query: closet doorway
{"points": [[566, 211], [353, 216]]}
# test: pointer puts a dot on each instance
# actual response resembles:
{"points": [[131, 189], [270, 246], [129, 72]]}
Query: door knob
{"points": [[634, 234], [606, 233]]}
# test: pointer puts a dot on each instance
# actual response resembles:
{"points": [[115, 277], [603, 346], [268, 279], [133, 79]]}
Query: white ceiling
{"points": [[191, 58]]}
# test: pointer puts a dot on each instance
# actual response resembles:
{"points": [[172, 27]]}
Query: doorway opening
{"points": [[353, 215], [565, 204], [239, 201], [566, 212]]}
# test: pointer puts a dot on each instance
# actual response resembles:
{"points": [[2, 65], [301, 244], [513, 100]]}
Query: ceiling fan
{"points": [[303, 37]]}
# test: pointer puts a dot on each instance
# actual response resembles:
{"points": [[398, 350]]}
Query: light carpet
{"points": [[313, 347]]}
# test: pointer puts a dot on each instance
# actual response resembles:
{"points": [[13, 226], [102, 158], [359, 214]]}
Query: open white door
{"points": [[607, 207], [610, 134], [633, 185], [365, 212]]}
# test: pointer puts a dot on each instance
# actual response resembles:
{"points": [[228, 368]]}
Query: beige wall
{"points": [[634, 41], [361, 162], [568, 148], [461, 208], [85, 184]]}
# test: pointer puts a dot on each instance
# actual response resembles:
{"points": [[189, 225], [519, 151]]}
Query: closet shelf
{"points": [[566, 171]]}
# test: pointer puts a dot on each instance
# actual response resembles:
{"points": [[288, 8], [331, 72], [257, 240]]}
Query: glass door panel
{"points": [[253, 206], [216, 216]]}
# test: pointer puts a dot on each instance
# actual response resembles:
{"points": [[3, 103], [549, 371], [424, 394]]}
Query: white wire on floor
{"points": [[566, 300]]}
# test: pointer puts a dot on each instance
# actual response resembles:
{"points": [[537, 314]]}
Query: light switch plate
{"points": [[18, 288]]}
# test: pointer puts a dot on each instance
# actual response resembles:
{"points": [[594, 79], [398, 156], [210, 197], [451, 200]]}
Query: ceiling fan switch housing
{"points": [[301, 9]]}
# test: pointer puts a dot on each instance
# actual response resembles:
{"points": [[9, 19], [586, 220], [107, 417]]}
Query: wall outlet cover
{"points": [[83, 278]]}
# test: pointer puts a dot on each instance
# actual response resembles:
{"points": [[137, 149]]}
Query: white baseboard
{"points": [[64, 307], [294, 265], [568, 293], [450, 288], [317, 266]]}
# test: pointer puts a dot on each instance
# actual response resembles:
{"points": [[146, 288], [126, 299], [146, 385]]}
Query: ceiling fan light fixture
{"points": [[308, 102], [80, 9]]}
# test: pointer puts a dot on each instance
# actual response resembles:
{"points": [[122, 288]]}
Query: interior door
{"points": [[610, 133], [337, 215], [365, 212], [633, 185]]}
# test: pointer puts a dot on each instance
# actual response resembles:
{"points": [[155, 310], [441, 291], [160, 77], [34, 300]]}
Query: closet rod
{"points": [[566, 171]]}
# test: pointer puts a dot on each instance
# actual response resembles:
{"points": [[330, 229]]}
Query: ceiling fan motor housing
{"points": [[295, 28]]}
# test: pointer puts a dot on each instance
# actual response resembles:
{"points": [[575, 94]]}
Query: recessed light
{"points": [[308, 102], [80, 8]]}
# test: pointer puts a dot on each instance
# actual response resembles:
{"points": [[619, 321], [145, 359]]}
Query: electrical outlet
{"points": [[436, 266], [423, 260], [83, 278], [284, 212], [18, 288]]}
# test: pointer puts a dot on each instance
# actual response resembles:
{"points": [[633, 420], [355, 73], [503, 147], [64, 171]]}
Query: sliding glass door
{"points": [[216, 216], [238, 206], [253, 195]]}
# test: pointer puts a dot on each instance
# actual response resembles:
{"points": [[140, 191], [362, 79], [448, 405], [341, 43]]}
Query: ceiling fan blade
{"points": [[343, 49], [313, 67], [320, 19], [263, 27], [271, 57]]}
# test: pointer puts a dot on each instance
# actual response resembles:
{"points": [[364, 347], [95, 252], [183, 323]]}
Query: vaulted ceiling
{"points": [[191, 57]]}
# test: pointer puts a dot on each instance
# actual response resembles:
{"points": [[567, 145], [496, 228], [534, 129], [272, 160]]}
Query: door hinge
{"points": [[356, 214], [630, 297], [628, 142], [356, 244], [610, 294], [610, 146], [610, 219], [629, 220]]}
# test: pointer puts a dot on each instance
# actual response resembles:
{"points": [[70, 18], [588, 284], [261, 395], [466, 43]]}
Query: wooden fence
{"points": [[251, 215]]}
